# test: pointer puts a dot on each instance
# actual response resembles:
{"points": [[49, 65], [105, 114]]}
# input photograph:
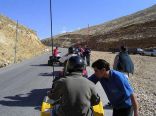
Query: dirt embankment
{"points": [[27, 46], [143, 80]]}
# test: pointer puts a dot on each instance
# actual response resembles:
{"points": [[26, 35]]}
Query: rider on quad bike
{"points": [[71, 52], [54, 59], [79, 50], [77, 94], [56, 53]]}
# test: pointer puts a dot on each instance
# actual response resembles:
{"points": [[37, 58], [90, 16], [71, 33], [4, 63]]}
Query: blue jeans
{"points": [[54, 111]]}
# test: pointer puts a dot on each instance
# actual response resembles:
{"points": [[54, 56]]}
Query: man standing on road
{"points": [[77, 94], [87, 52], [117, 89], [123, 62]]}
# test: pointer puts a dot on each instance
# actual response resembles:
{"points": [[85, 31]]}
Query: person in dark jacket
{"points": [[78, 50], [123, 62], [87, 52], [77, 94]]}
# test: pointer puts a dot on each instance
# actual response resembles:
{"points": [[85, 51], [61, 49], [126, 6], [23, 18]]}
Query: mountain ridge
{"points": [[134, 30]]}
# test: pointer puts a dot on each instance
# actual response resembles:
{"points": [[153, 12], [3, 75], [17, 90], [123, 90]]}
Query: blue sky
{"points": [[68, 15]]}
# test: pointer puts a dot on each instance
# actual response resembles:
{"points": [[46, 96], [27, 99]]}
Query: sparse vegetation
{"points": [[136, 30], [28, 44]]}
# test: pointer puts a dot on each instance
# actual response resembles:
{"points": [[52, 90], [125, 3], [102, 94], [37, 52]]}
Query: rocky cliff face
{"points": [[135, 30], [28, 44]]}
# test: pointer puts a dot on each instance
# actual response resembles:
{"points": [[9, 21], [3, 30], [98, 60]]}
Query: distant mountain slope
{"points": [[28, 44], [135, 30]]}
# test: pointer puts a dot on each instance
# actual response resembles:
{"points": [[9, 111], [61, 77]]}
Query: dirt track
{"points": [[143, 80]]}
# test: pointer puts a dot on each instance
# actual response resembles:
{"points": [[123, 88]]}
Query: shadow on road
{"points": [[56, 74], [107, 107], [32, 99], [39, 65], [46, 74], [56, 65]]}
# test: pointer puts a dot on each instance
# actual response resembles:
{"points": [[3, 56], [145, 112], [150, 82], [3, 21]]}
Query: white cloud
{"points": [[65, 29], [78, 28]]}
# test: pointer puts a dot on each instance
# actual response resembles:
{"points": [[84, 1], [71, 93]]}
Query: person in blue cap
{"points": [[117, 88]]}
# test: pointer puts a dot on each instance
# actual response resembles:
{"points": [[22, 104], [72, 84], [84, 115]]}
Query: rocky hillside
{"points": [[28, 44], [135, 30]]}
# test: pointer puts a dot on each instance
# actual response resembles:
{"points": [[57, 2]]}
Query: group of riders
{"points": [[74, 51], [77, 94]]}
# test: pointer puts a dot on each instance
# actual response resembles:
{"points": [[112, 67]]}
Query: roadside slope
{"points": [[28, 43]]}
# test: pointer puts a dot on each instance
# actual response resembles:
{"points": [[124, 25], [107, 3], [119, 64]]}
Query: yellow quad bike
{"points": [[47, 107]]}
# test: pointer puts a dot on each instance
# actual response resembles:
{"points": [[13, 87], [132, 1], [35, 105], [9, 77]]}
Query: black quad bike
{"points": [[54, 61]]}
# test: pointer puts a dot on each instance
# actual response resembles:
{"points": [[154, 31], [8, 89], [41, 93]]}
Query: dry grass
{"points": [[28, 44]]}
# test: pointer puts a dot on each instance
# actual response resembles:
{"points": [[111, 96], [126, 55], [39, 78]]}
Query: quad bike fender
{"points": [[47, 107]]}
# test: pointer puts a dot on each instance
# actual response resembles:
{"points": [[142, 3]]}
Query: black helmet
{"points": [[75, 64], [71, 50], [123, 48]]}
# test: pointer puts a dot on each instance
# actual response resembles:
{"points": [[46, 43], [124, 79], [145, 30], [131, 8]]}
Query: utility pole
{"points": [[88, 35], [16, 42], [52, 41], [51, 24]]}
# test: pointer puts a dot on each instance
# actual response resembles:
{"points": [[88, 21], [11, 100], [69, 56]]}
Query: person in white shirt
{"points": [[71, 52]]}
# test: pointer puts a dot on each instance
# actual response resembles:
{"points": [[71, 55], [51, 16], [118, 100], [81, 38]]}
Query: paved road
{"points": [[24, 85]]}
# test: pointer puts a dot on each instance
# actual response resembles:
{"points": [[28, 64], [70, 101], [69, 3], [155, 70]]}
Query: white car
{"points": [[151, 52]]}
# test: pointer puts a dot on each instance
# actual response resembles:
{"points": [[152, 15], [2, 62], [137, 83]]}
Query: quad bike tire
{"points": [[50, 63], [54, 59]]}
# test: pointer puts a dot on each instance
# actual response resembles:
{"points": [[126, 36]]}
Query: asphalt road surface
{"points": [[24, 85]]}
